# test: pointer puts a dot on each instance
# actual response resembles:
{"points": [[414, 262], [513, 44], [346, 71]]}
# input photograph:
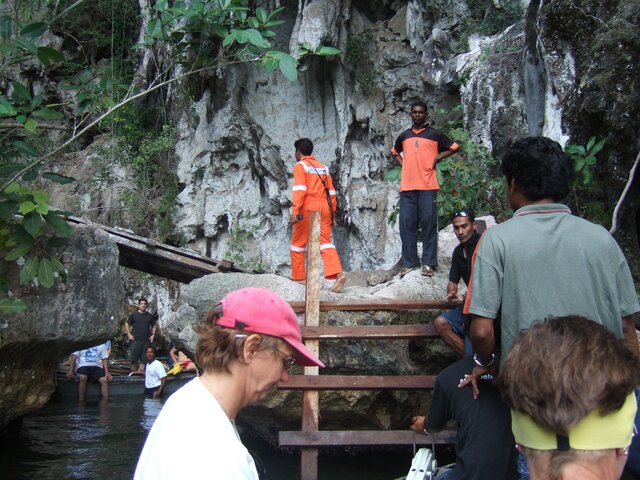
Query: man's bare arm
{"points": [[452, 292], [128, 331], [629, 332], [445, 154], [484, 343], [397, 158], [483, 338]]}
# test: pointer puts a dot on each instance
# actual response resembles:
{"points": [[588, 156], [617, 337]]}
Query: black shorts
{"points": [[138, 351], [94, 373], [148, 392]]}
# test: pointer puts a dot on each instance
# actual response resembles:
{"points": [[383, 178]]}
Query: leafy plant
{"points": [[360, 50], [584, 158], [585, 186], [242, 247], [29, 228]]}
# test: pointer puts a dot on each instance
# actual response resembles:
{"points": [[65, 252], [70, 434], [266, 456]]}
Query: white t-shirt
{"points": [[91, 357], [194, 416], [153, 374]]}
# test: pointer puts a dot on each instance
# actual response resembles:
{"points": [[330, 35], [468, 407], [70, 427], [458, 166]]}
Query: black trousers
{"points": [[418, 209]]}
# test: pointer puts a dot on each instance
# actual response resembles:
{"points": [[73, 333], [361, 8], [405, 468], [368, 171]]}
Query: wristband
{"points": [[480, 364]]}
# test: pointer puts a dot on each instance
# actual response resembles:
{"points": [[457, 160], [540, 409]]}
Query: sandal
{"points": [[427, 271]]}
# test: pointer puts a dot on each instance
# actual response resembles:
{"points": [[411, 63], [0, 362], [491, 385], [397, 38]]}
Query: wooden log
{"points": [[340, 438], [147, 255], [370, 332], [376, 304], [358, 382]]}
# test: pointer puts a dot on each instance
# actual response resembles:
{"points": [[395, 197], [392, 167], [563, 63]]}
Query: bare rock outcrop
{"points": [[82, 312]]}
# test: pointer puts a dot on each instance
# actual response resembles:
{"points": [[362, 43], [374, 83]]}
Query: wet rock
{"points": [[59, 321]]}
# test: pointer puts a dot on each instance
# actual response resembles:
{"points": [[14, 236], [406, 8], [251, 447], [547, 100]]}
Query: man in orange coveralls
{"points": [[313, 191]]}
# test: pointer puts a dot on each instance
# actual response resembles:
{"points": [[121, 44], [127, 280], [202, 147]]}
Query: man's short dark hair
{"points": [[142, 299], [152, 348], [419, 103], [539, 167], [464, 212], [304, 146]]}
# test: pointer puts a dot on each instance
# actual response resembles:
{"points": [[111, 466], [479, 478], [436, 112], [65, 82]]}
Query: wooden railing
{"points": [[310, 438]]}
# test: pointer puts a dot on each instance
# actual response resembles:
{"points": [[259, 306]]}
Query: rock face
{"points": [[234, 152], [83, 312]]}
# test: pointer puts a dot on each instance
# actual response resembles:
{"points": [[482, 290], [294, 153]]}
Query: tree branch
{"points": [[632, 174], [100, 118]]}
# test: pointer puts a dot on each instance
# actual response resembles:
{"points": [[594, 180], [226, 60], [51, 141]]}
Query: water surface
{"points": [[102, 440]]}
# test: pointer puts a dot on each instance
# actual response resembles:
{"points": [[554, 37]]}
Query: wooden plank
{"points": [[370, 332], [164, 264], [358, 382], [376, 304], [340, 438], [143, 254], [311, 399]]}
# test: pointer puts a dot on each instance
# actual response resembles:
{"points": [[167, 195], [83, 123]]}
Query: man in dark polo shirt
{"points": [[141, 331], [484, 443], [451, 324]]}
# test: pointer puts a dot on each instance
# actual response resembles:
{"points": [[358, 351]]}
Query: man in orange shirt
{"points": [[418, 150], [313, 191]]}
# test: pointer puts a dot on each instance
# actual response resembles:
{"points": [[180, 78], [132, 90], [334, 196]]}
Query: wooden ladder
{"points": [[310, 438]]}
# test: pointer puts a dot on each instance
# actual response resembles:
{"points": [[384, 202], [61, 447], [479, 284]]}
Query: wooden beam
{"points": [[358, 382], [340, 438], [150, 256], [377, 304], [370, 332], [311, 398]]}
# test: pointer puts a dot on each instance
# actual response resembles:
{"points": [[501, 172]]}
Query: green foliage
{"points": [[489, 18], [485, 18], [242, 247], [586, 188], [145, 146], [97, 30], [584, 158], [360, 50], [468, 179], [28, 230], [197, 29]]}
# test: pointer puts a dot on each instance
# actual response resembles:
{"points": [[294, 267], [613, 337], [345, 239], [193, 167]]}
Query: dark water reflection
{"points": [[102, 440]]}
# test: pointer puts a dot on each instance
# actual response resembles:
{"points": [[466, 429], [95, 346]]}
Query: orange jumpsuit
{"points": [[309, 195]]}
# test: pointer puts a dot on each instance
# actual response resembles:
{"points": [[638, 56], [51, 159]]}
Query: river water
{"points": [[102, 440]]}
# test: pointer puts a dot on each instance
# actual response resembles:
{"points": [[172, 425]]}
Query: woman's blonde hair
{"points": [[218, 346]]}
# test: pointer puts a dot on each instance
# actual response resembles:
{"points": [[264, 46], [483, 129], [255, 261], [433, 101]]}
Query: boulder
{"points": [[80, 313]]}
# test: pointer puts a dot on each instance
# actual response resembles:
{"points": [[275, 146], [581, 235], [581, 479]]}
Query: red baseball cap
{"points": [[259, 310]]}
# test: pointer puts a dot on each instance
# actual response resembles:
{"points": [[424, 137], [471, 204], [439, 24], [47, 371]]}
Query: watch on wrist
{"points": [[478, 362]]}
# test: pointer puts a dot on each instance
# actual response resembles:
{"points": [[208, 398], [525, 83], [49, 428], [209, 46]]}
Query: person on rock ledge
{"points": [[141, 331], [418, 149], [452, 325], [313, 191]]}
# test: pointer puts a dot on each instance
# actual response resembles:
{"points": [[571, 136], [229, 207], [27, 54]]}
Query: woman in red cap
{"points": [[247, 344]]}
